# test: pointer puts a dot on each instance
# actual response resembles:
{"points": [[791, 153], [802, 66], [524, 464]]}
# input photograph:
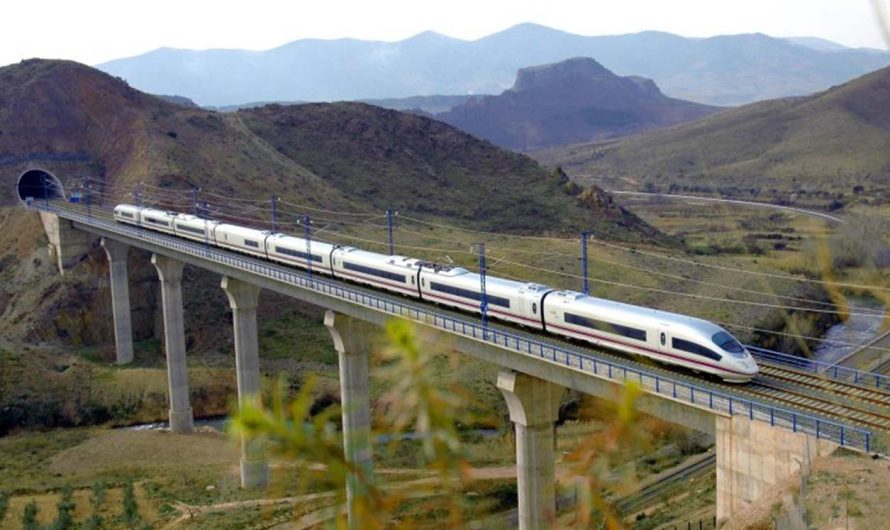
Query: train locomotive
{"points": [[666, 337]]}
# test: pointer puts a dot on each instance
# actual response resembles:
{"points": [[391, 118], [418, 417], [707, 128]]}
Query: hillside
{"points": [[76, 121], [412, 163], [80, 122], [574, 101], [831, 141], [722, 70]]}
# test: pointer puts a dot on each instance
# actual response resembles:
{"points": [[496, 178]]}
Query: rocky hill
{"points": [[837, 140], [574, 101], [76, 121], [721, 70]]}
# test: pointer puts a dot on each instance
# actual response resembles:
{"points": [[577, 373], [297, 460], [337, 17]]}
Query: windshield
{"points": [[727, 343]]}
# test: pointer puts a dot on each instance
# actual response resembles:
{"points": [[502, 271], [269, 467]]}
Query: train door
{"points": [[529, 307], [663, 339]]}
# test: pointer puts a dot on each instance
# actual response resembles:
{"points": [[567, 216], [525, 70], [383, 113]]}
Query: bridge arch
{"points": [[39, 184]]}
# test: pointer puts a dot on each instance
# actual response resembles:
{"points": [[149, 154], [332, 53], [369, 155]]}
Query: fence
{"points": [[818, 367]]}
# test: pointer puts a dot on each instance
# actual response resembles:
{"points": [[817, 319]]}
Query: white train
{"points": [[665, 337]]}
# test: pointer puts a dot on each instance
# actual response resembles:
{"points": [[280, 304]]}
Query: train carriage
{"points": [[157, 220], [394, 273], [660, 335], [127, 213], [242, 239], [300, 252], [193, 227], [507, 299]]}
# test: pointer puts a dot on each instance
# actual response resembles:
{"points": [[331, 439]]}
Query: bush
{"points": [[65, 506], [98, 496], [4, 503], [29, 516], [94, 522], [131, 510]]}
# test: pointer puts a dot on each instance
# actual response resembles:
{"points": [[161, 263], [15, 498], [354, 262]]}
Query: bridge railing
{"points": [[844, 435], [820, 367]]}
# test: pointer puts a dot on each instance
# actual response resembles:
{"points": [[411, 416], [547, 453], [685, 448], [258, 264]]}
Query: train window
{"points": [[691, 347], [297, 254], [616, 329], [249, 243], [126, 214], [374, 272], [534, 308], [157, 221], [469, 293], [663, 339], [185, 228], [726, 342]]}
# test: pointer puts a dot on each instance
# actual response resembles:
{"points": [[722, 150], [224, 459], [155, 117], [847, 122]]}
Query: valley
{"points": [[525, 172]]}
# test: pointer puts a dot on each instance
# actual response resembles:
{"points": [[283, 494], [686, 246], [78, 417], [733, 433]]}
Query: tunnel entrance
{"points": [[39, 184]]}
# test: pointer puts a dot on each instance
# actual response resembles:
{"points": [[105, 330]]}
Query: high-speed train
{"points": [[666, 337]]}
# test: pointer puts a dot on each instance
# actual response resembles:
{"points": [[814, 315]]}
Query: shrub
{"points": [[4, 503], [29, 516], [131, 509], [98, 496], [65, 506]]}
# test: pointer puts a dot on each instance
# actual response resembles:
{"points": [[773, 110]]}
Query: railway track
{"points": [[812, 394], [823, 383], [665, 485]]}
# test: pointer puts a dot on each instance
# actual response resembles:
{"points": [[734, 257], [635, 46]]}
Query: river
{"points": [[844, 337]]}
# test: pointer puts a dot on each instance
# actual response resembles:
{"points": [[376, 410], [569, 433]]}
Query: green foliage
{"points": [[29, 516], [131, 509], [65, 507], [4, 504], [98, 492], [94, 522], [416, 400]]}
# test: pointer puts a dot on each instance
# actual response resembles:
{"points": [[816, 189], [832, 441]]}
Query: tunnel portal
{"points": [[39, 184]]}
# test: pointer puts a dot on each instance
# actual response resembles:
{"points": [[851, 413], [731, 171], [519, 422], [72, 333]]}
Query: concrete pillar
{"points": [[752, 457], [120, 298], [352, 340], [243, 298], [534, 407], [170, 273], [67, 245]]}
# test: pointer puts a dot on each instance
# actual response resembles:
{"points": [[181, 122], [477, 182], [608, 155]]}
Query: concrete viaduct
{"points": [[757, 445]]}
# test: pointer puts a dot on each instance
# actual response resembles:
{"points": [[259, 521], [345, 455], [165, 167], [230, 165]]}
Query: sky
{"points": [[95, 31]]}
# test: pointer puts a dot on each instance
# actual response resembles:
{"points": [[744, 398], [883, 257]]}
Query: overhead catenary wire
{"points": [[619, 284], [691, 295], [646, 270], [596, 241]]}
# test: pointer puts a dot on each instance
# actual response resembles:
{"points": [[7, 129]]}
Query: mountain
{"points": [[816, 43], [422, 104], [78, 122], [836, 140], [573, 101], [723, 70]]}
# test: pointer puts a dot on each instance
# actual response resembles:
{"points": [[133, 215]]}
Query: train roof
{"points": [[629, 311]]}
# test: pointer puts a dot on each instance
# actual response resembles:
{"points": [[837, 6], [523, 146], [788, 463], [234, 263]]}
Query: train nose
{"points": [[748, 365]]}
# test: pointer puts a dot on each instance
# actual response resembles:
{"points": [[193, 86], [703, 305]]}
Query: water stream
{"points": [[847, 336]]}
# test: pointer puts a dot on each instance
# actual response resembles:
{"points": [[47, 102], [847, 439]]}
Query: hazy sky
{"points": [[94, 31]]}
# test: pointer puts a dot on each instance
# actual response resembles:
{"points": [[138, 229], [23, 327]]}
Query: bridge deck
{"points": [[669, 391]]}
